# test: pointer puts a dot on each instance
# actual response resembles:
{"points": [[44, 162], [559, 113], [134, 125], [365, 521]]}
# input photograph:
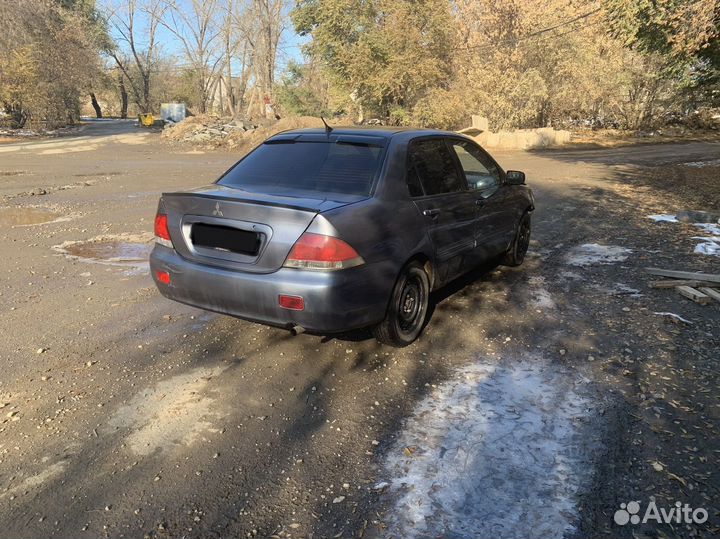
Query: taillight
{"points": [[162, 234], [163, 276], [319, 252]]}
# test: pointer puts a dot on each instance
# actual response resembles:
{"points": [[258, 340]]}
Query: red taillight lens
{"points": [[295, 303], [161, 227], [163, 276], [316, 251]]}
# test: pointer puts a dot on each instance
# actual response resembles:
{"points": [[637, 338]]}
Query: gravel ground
{"points": [[126, 415]]}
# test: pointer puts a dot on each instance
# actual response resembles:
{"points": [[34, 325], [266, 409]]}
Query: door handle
{"points": [[431, 213]]}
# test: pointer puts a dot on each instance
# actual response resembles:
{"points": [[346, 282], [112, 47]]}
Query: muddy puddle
{"points": [[26, 216], [111, 251], [121, 250]]}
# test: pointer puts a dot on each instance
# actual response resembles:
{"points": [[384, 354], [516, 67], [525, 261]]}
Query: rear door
{"points": [[485, 179], [440, 193]]}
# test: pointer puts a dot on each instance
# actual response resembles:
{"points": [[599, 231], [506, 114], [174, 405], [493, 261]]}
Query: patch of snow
{"points": [[701, 164], [709, 228], [662, 218], [621, 289], [590, 254], [707, 248], [499, 451], [709, 245], [540, 297], [674, 317]]}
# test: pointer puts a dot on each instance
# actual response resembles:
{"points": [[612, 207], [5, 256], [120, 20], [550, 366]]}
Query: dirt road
{"points": [[537, 401]]}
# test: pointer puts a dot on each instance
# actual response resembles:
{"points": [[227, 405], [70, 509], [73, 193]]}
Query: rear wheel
{"points": [[516, 254], [407, 309]]}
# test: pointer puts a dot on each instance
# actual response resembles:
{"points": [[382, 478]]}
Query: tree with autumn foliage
{"points": [[385, 55], [50, 59], [686, 33], [521, 63]]}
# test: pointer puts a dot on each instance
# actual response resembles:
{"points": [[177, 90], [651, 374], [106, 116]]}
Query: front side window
{"points": [[431, 168], [481, 172]]}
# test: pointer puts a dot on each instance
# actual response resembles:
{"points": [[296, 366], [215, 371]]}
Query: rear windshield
{"points": [[313, 167]]}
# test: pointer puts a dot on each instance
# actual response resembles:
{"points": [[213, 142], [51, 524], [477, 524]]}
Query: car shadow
{"points": [[479, 273]]}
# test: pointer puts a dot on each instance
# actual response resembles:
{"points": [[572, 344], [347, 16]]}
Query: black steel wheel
{"points": [[516, 254], [407, 308]]}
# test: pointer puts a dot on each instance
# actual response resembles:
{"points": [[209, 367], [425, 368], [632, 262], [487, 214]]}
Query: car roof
{"points": [[385, 132]]}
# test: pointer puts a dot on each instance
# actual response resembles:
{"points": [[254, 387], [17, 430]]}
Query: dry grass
{"points": [[697, 187]]}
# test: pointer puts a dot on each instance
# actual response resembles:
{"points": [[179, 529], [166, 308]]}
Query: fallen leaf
{"points": [[677, 478]]}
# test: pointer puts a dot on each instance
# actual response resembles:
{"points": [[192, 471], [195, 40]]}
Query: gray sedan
{"points": [[331, 230]]}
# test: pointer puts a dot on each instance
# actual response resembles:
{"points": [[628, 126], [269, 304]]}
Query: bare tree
{"points": [[231, 44], [266, 25], [270, 19], [198, 31], [141, 42], [241, 32]]}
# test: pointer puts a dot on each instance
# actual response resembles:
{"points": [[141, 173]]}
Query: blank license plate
{"points": [[225, 238]]}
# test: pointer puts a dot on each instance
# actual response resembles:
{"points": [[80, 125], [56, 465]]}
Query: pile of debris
{"points": [[204, 128], [702, 288], [215, 132]]}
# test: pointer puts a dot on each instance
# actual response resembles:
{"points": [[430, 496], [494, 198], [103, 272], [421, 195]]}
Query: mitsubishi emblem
{"points": [[217, 211]]}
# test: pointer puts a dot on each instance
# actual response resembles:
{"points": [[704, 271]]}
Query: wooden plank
{"points": [[695, 295], [672, 283], [710, 277], [714, 294]]}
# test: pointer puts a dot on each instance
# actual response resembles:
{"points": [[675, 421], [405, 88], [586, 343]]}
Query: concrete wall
{"points": [[524, 139]]}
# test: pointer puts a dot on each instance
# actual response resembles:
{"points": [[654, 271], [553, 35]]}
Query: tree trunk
{"points": [[123, 98], [203, 93], [229, 92], [146, 93], [18, 115], [96, 105]]}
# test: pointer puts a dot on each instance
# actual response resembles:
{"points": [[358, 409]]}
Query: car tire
{"points": [[407, 308], [516, 253]]}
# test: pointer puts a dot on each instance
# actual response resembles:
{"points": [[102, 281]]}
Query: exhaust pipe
{"points": [[297, 330]]}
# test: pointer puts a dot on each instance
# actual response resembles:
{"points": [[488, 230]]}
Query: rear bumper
{"points": [[335, 301]]}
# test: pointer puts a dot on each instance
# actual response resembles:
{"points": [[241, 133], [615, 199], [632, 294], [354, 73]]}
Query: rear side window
{"points": [[432, 168], [316, 167]]}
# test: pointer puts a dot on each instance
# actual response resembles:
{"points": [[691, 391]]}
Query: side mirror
{"points": [[515, 177]]}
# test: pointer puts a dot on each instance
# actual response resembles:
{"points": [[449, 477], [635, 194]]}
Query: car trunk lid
{"points": [[240, 230]]}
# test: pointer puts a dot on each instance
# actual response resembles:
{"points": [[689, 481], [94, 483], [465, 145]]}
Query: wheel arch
{"points": [[427, 265]]}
